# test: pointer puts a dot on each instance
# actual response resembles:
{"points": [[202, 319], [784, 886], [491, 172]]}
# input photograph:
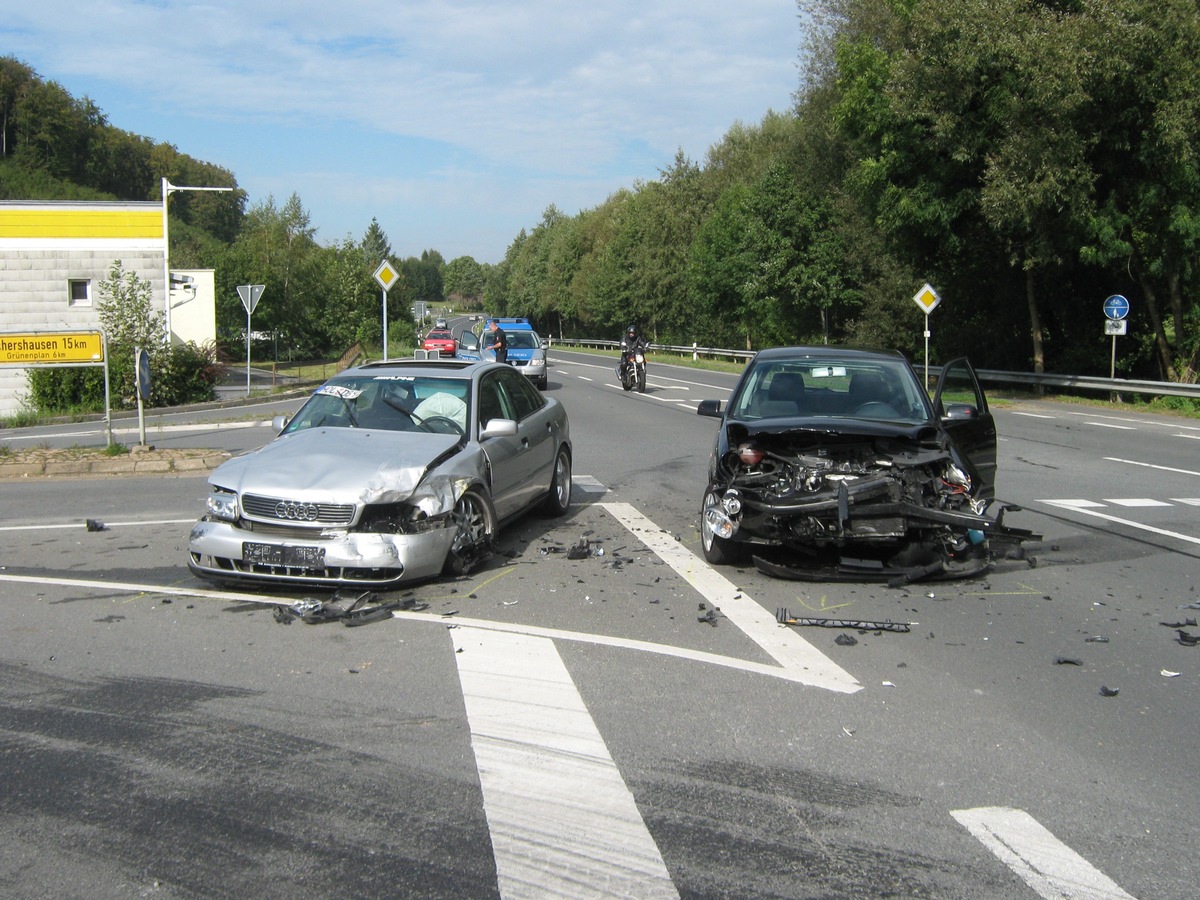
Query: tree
{"points": [[127, 311]]}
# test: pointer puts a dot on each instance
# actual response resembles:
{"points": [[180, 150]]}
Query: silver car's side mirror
{"points": [[279, 423], [498, 428]]}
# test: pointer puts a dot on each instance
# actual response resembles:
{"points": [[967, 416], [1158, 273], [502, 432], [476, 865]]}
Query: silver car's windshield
{"points": [[829, 387], [388, 403]]}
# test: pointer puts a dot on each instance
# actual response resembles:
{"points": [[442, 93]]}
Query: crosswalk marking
{"points": [[1042, 861], [562, 820]]}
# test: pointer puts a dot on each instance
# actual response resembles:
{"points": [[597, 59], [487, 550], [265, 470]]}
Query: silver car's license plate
{"points": [[275, 555]]}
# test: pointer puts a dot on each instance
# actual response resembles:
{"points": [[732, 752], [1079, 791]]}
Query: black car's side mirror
{"points": [[710, 408], [961, 411]]}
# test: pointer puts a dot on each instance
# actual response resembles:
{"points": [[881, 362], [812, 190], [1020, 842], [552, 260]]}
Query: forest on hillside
{"points": [[1028, 158]]}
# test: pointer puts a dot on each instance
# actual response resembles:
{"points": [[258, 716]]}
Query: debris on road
{"points": [[709, 616], [96, 525], [845, 640], [1109, 692], [361, 609], [783, 618], [1067, 661], [1188, 640], [1167, 673]]}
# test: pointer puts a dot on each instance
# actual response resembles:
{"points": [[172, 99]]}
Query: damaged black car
{"points": [[835, 464]]}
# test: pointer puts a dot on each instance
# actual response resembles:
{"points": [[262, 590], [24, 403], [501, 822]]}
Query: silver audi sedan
{"points": [[392, 472]]}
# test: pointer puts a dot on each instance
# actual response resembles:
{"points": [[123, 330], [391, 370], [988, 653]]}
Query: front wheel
{"points": [[558, 500], [474, 524], [641, 381], [718, 551]]}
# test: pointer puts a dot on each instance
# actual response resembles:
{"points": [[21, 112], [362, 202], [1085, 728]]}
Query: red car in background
{"points": [[442, 340]]}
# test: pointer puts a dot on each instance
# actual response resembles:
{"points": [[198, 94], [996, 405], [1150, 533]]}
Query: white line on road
{"points": [[1110, 425], [106, 525], [1146, 465], [1046, 864], [1077, 507], [791, 651], [562, 820]]}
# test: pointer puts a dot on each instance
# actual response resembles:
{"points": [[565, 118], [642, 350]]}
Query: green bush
{"points": [[183, 373]]}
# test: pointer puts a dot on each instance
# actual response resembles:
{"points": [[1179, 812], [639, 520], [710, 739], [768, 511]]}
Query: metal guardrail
{"points": [[1029, 380]]}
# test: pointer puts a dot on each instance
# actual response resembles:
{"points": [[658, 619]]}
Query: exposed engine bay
{"points": [[817, 505]]}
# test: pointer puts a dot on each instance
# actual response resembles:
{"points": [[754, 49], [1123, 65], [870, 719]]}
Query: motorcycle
{"points": [[632, 370]]}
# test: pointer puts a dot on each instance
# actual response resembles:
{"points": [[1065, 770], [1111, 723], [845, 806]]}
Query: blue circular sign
{"points": [[1116, 307]]}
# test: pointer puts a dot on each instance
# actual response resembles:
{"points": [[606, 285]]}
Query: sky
{"points": [[454, 124]]}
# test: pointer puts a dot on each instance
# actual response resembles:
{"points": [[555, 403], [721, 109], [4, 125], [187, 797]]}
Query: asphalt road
{"points": [[553, 727]]}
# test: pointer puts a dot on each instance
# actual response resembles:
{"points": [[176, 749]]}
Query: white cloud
{"points": [[517, 101]]}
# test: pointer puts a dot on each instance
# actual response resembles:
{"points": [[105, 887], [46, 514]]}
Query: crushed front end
{"points": [[900, 505]]}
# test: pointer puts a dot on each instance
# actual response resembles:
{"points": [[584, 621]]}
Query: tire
{"points": [[558, 500], [475, 530], [718, 551], [641, 381]]}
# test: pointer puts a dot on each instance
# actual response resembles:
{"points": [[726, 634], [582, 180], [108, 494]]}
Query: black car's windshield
{"points": [[827, 387], [389, 403]]}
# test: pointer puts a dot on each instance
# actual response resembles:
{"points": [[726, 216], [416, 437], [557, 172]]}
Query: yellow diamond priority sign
{"points": [[927, 298], [386, 275]]}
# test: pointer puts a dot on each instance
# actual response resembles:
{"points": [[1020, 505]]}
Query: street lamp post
{"points": [[167, 190]]}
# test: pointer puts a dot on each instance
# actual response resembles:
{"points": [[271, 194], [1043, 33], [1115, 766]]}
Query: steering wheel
{"points": [[877, 409], [441, 425]]}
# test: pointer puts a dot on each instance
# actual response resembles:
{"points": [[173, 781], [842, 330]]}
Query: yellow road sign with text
{"points": [[38, 348]]}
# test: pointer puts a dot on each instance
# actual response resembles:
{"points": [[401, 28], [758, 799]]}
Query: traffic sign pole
{"points": [[927, 299], [250, 294], [1116, 308]]}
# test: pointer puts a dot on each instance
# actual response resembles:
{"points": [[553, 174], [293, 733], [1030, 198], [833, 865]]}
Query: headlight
{"points": [[536, 361], [223, 504]]}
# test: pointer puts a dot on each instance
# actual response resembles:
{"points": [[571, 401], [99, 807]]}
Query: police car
{"points": [[526, 349]]}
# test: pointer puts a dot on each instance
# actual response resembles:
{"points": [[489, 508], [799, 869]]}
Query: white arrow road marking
{"points": [[1043, 862], [562, 820], [791, 651]]}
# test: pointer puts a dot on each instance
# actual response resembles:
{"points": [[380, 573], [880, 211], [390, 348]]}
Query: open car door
{"points": [[963, 410]]}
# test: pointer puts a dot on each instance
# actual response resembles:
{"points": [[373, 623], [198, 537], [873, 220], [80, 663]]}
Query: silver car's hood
{"points": [[337, 465]]}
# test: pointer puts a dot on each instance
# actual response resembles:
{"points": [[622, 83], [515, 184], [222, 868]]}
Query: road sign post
{"points": [[385, 276], [927, 299], [250, 294], [1116, 308]]}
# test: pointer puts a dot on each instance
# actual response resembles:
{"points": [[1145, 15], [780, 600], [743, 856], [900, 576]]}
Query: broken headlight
{"points": [[223, 504]]}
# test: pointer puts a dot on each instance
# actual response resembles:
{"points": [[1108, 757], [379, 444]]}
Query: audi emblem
{"points": [[301, 512]]}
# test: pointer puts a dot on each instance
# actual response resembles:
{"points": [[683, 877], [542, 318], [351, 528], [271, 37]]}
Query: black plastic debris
{"points": [[709, 615], [96, 525], [1096, 639], [1109, 692], [1188, 640], [361, 609], [1067, 661], [783, 618], [581, 550], [1186, 623], [845, 640]]}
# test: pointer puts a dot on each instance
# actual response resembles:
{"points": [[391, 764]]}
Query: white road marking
{"points": [[1078, 506], [152, 429], [1190, 501], [1110, 425], [83, 525], [1146, 465], [793, 653], [1194, 437], [1051, 868], [562, 820], [1030, 415], [1136, 502]]}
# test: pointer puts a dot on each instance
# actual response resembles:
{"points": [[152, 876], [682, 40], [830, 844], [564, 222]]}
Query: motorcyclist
{"points": [[631, 343]]}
